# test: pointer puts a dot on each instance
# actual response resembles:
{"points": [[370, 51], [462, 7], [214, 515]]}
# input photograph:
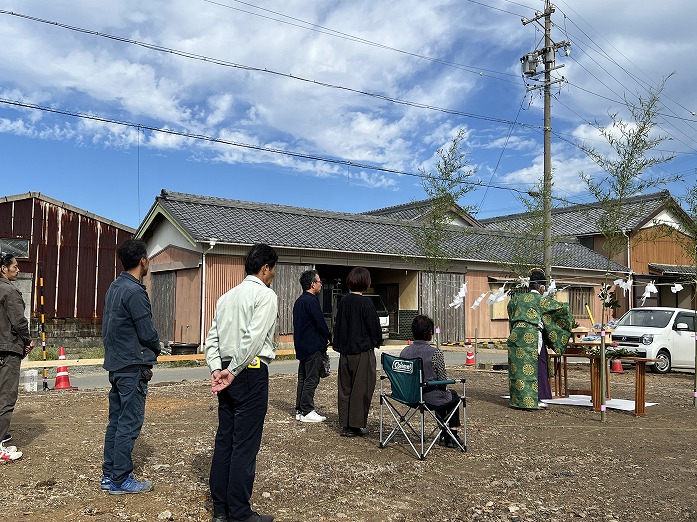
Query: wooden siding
{"points": [[187, 312], [478, 321], [163, 300], [173, 255], [651, 245], [286, 284], [452, 320]]}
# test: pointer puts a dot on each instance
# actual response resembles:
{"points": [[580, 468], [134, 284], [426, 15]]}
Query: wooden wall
{"points": [[651, 245]]}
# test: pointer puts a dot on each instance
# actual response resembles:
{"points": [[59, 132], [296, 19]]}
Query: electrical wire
{"points": [[210, 139], [332, 32]]}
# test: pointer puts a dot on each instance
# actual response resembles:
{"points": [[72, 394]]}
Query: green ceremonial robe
{"points": [[525, 310]]}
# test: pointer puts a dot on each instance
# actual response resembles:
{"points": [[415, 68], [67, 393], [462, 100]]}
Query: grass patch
{"points": [[94, 352], [181, 364]]}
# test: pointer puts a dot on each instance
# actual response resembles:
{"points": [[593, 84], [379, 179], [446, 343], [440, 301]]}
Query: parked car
{"points": [[383, 314], [330, 304], [663, 333]]}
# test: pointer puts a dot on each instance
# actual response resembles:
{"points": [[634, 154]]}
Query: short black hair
{"points": [[537, 279], [306, 279], [258, 256], [131, 252], [422, 328], [358, 279], [6, 259]]}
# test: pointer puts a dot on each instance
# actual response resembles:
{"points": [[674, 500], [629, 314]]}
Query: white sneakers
{"points": [[313, 416], [8, 453]]}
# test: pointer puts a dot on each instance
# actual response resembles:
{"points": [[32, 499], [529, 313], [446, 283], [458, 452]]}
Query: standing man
{"points": [[239, 349], [131, 347], [311, 338], [15, 343]]}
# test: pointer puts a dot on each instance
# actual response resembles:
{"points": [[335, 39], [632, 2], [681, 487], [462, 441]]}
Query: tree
{"points": [[527, 245], [632, 144], [435, 234]]}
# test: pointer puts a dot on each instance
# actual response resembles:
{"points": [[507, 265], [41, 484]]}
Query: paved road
{"points": [[98, 378]]}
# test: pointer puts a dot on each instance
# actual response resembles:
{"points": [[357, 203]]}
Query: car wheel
{"points": [[663, 365]]}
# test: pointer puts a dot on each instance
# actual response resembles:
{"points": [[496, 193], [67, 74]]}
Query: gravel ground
{"points": [[555, 465]]}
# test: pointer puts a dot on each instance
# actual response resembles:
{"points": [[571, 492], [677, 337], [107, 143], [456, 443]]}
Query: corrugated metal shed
{"points": [[75, 249]]}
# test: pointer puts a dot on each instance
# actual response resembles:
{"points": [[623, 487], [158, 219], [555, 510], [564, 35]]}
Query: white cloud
{"points": [[616, 53]]}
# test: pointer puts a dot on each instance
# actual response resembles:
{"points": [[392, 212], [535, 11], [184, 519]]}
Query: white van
{"points": [[661, 333]]}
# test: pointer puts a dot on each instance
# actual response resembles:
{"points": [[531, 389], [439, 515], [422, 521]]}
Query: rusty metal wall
{"points": [[77, 253], [87, 287]]}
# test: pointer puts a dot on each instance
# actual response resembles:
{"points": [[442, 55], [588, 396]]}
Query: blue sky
{"points": [[233, 75]]}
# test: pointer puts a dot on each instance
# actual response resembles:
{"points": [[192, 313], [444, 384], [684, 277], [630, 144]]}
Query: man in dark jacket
{"points": [[131, 346], [15, 343], [311, 337]]}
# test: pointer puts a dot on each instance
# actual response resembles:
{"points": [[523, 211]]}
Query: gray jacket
{"points": [[14, 327]]}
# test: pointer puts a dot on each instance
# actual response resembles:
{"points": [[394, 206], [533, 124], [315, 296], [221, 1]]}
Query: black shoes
{"points": [[254, 517], [447, 442], [354, 432]]}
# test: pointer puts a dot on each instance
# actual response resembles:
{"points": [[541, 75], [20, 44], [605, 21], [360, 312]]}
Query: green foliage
{"points": [[625, 168], [444, 189], [435, 234]]}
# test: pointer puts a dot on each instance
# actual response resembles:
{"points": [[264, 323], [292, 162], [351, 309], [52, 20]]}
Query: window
{"points": [[686, 318], [578, 298], [498, 310], [17, 247]]}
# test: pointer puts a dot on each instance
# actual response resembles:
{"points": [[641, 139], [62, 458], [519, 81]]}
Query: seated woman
{"points": [[439, 399]]}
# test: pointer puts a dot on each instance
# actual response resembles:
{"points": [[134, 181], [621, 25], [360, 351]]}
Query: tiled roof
{"points": [[673, 269], [582, 220], [244, 223], [406, 211], [416, 209]]}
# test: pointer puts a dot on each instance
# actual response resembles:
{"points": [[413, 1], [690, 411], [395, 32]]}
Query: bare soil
{"points": [[555, 465]]}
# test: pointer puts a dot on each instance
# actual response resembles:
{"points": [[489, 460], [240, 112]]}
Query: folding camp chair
{"points": [[406, 405]]}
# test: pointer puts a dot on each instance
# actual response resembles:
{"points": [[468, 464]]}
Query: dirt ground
{"points": [[555, 465]]}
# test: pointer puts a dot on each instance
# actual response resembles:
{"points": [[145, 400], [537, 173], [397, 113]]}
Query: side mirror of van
{"points": [[681, 326]]}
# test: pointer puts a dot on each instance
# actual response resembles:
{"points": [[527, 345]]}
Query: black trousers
{"points": [[355, 390], [242, 408], [443, 410], [308, 379]]}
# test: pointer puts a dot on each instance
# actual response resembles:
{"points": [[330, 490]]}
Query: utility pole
{"points": [[529, 63]]}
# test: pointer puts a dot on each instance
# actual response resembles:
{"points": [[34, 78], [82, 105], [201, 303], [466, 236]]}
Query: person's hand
{"points": [[28, 348], [220, 379]]}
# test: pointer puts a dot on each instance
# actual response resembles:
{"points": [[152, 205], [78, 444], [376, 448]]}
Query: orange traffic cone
{"points": [[616, 366], [469, 360], [62, 377]]}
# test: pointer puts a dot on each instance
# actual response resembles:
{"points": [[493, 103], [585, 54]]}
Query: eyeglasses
{"points": [[317, 281]]}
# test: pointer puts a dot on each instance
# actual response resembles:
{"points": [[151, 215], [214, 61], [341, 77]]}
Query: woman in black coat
{"points": [[356, 335]]}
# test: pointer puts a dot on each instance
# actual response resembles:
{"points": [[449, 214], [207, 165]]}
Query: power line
{"points": [[210, 139], [333, 32], [225, 63]]}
